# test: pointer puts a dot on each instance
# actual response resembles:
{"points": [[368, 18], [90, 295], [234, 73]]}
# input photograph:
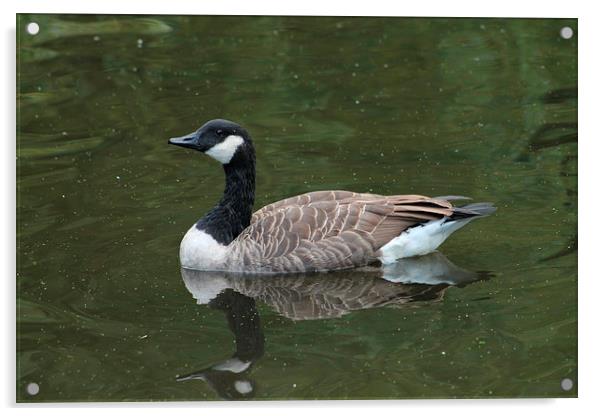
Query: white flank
{"points": [[223, 152], [200, 251], [419, 240]]}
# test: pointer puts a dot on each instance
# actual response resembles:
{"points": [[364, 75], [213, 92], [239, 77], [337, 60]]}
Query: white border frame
{"points": [[589, 223]]}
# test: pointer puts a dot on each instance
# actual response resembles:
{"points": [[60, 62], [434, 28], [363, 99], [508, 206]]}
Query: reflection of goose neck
{"points": [[244, 323], [228, 378]]}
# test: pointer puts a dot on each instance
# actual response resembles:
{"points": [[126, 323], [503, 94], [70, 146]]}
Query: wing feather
{"points": [[328, 230]]}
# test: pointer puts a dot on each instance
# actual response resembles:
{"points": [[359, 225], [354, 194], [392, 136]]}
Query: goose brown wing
{"points": [[308, 198], [319, 232]]}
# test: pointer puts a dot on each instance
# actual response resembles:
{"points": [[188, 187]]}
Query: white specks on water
{"points": [[357, 101], [294, 385], [96, 38], [140, 43]]}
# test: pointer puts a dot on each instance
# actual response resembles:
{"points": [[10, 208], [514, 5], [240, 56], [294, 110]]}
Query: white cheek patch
{"points": [[223, 152], [243, 387]]}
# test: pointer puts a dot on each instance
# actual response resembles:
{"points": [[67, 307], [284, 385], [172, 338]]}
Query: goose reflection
{"points": [[311, 296], [228, 378]]}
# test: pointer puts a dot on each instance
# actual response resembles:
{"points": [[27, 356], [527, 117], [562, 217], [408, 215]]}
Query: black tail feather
{"points": [[479, 209]]}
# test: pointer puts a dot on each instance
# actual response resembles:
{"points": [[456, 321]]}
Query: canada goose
{"points": [[316, 231]]}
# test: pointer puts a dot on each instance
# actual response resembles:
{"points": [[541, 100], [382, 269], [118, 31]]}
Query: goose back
{"points": [[328, 230]]}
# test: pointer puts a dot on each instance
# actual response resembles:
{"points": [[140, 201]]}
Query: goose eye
{"points": [[219, 132]]}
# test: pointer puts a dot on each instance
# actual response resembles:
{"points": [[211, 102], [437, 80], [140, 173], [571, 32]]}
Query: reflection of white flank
{"points": [[233, 365], [205, 288], [433, 269]]}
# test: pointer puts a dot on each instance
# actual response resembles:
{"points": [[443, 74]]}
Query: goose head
{"points": [[223, 140]]}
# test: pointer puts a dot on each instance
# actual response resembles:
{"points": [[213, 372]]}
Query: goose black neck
{"points": [[233, 212]]}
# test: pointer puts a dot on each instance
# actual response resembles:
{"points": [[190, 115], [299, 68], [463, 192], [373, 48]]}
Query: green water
{"points": [[477, 107]]}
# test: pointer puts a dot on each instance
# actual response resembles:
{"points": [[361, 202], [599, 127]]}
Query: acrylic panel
{"points": [[479, 107]]}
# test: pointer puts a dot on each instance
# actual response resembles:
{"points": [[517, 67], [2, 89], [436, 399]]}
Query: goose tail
{"points": [[427, 237], [478, 209]]}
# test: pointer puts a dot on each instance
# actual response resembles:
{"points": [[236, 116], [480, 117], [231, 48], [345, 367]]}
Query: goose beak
{"points": [[189, 141], [193, 376]]}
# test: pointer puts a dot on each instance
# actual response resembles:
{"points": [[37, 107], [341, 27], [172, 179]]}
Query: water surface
{"points": [[479, 107]]}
